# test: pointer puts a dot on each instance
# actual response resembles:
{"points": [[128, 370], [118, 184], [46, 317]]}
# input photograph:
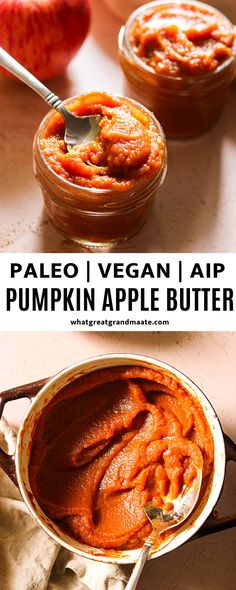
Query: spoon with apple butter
{"points": [[172, 514], [78, 129]]}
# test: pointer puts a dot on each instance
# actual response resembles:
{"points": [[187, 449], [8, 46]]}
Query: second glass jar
{"points": [[185, 105]]}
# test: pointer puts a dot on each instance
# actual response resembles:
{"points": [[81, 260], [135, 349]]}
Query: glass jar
{"points": [[186, 106], [96, 218]]}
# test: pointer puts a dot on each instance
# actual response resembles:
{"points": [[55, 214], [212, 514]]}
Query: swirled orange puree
{"points": [[128, 148], [110, 442], [182, 38]]}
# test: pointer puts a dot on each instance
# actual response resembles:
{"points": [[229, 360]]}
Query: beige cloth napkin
{"points": [[30, 559]]}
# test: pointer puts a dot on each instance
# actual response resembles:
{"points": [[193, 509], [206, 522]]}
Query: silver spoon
{"points": [[162, 521], [78, 130]]}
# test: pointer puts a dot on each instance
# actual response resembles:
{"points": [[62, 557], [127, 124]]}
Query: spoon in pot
{"points": [[78, 130], [163, 521]]}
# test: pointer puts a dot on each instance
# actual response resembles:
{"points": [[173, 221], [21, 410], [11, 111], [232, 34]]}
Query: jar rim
{"points": [[123, 37], [136, 188]]}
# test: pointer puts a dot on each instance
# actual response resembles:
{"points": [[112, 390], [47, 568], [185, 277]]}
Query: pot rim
{"points": [[196, 519]]}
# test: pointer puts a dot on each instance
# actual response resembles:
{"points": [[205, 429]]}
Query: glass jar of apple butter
{"points": [[99, 194], [178, 59]]}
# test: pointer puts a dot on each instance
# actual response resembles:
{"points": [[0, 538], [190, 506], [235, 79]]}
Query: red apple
{"points": [[43, 35]]}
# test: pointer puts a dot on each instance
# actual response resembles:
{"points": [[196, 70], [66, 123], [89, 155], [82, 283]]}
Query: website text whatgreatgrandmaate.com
{"points": [[111, 323]]}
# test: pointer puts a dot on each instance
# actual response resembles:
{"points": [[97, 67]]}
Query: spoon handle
{"points": [[138, 568], [13, 66]]}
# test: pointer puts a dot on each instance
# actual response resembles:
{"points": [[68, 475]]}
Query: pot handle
{"points": [[30, 390], [213, 524]]}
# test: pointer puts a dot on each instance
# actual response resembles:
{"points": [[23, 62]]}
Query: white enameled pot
{"points": [[17, 466]]}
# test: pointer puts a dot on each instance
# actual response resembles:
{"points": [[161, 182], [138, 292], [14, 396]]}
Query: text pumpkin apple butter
{"points": [[112, 441]]}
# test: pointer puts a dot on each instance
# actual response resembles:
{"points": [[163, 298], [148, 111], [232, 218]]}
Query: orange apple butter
{"points": [[111, 441], [176, 39], [128, 148]]}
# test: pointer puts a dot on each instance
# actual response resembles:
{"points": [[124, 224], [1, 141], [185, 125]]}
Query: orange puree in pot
{"points": [[129, 147], [110, 442], [177, 39]]}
